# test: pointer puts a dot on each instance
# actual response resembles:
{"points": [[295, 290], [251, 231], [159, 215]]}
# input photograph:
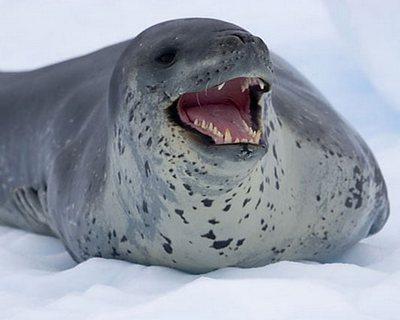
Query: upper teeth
{"points": [[221, 86], [251, 82], [246, 83]]}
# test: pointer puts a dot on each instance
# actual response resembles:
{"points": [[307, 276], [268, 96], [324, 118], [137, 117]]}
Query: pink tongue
{"points": [[222, 116]]}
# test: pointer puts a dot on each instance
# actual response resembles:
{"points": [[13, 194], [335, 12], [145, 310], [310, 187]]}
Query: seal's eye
{"points": [[167, 57]]}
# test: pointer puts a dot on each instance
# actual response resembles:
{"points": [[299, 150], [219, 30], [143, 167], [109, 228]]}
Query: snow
{"points": [[348, 49]]}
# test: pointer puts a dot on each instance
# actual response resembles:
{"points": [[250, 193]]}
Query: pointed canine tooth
{"points": [[245, 125], [257, 137], [221, 86], [227, 136], [261, 84], [245, 84], [203, 124], [237, 140]]}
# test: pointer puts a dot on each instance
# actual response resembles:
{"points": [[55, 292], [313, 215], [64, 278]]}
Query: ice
{"points": [[348, 49]]}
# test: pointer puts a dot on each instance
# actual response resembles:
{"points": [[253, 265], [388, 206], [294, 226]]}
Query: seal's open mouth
{"points": [[227, 113]]}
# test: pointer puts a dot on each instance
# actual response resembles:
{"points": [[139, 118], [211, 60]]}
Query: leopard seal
{"points": [[190, 146]]}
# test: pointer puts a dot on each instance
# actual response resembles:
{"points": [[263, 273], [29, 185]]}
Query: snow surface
{"points": [[348, 48]]}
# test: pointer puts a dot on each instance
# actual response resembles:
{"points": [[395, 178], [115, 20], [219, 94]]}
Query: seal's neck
{"points": [[148, 150], [157, 185], [156, 163]]}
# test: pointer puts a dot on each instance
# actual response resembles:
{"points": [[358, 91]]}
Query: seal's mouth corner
{"points": [[228, 113]]}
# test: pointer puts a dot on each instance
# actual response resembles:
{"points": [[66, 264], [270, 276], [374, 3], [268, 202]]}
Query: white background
{"points": [[349, 49]]}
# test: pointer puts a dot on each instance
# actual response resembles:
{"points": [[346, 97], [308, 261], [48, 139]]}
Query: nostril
{"points": [[240, 37]]}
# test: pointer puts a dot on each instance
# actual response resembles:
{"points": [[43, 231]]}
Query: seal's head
{"points": [[199, 81]]}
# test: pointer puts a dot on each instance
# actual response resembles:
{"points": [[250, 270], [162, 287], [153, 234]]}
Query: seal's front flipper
{"points": [[32, 204]]}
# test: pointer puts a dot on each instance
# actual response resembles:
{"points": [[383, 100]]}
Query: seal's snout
{"points": [[239, 37], [244, 43], [234, 39]]}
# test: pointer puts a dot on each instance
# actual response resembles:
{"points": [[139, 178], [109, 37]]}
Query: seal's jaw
{"points": [[228, 113]]}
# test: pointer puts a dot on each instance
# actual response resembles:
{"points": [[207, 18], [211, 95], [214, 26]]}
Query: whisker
{"points": [[198, 99], [208, 82]]}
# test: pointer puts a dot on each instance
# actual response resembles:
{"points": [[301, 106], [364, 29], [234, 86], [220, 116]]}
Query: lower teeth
{"points": [[227, 137]]}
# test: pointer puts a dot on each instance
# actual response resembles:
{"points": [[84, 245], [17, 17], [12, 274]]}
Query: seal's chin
{"points": [[228, 113]]}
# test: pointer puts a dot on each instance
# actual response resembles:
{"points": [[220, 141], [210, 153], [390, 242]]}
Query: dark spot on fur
{"points": [[144, 206], [271, 124], [124, 238], [180, 212], [258, 203], [166, 238], [189, 188], [114, 253], [147, 169], [227, 208], [207, 202], [246, 201], [130, 118], [167, 247], [274, 152], [209, 235], [221, 244], [213, 221], [349, 202]]}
